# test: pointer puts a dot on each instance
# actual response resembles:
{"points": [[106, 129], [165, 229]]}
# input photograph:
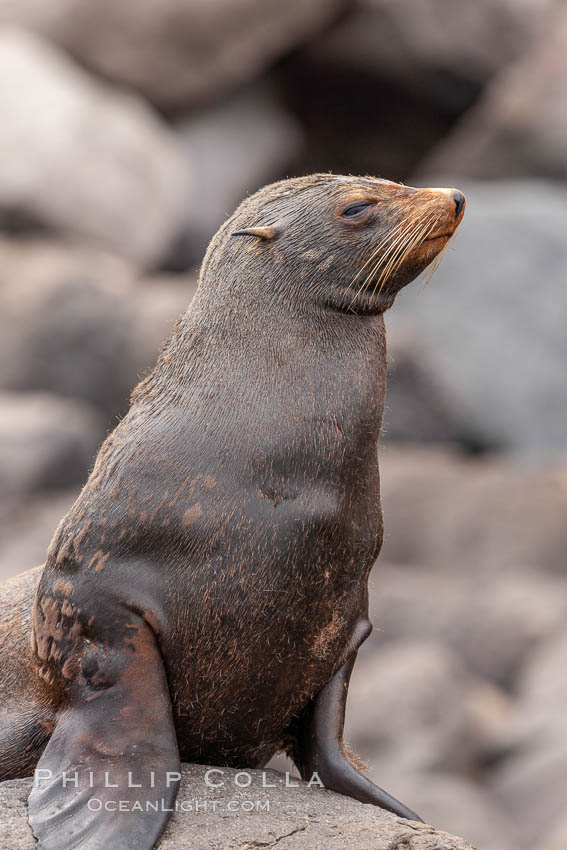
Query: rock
{"points": [[46, 443], [418, 488], [294, 818], [473, 515], [234, 148], [532, 781], [85, 160], [491, 321], [79, 323], [454, 802], [518, 127], [421, 41], [555, 836], [419, 409], [542, 691], [493, 621], [379, 89], [65, 323], [26, 530], [415, 704], [531, 786], [157, 304], [176, 53]]}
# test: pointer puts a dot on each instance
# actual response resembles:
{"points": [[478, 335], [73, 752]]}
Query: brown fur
{"points": [[28, 705]]}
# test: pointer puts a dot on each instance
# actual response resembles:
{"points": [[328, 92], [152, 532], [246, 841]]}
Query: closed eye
{"points": [[356, 209]]}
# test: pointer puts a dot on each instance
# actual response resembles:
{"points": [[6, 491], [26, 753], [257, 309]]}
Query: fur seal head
{"points": [[348, 243]]}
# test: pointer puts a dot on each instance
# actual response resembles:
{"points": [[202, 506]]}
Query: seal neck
{"points": [[272, 314]]}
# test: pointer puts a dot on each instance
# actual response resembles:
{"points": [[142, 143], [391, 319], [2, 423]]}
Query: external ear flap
{"points": [[264, 233]]}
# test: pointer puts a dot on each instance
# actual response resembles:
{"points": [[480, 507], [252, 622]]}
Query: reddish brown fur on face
{"points": [[236, 507]]}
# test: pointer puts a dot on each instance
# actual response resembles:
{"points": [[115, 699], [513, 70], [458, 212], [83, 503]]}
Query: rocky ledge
{"points": [[255, 809]]}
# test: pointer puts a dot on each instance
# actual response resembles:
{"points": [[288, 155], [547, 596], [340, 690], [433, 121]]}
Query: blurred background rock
{"points": [[130, 130]]}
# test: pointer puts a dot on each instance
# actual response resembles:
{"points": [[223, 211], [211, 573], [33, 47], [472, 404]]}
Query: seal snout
{"points": [[459, 199]]}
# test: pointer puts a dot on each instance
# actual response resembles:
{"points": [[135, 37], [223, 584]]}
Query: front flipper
{"points": [[110, 773], [319, 747]]}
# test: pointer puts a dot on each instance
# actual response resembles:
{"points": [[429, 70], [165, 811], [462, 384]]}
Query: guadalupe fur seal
{"points": [[206, 595]]}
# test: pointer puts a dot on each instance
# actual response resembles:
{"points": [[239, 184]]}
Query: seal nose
{"points": [[459, 199]]}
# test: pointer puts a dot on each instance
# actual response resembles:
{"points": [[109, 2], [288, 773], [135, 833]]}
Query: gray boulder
{"points": [[492, 319], [419, 408], [493, 621], [556, 837], [176, 53], [383, 86], [518, 127], [414, 703], [542, 692], [234, 147], [415, 41], [531, 785], [26, 530], [84, 159], [455, 803], [80, 323], [294, 818], [532, 781], [472, 515], [46, 443]]}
